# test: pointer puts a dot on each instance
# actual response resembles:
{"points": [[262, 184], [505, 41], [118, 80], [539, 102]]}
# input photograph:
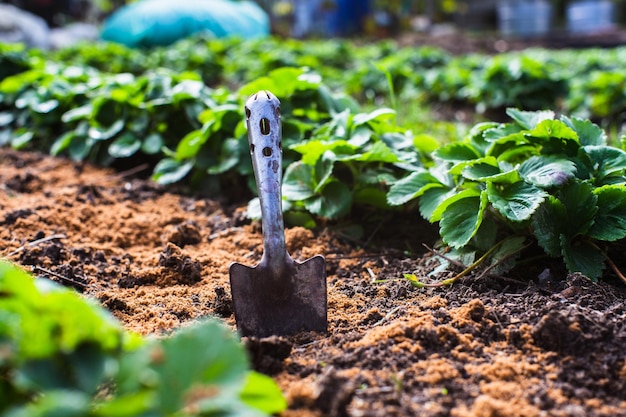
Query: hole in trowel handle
{"points": [[265, 126], [267, 151]]}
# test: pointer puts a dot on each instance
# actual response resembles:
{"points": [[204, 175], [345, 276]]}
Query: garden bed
{"points": [[541, 343]]}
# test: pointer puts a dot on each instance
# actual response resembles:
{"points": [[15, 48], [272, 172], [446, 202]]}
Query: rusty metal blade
{"points": [[293, 302]]}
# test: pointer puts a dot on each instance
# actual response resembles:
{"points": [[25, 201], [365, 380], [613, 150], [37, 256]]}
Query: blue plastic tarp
{"points": [[149, 23]]}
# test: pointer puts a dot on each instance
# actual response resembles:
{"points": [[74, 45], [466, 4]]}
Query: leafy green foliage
{"points": [[553, 180], [84, 364]]}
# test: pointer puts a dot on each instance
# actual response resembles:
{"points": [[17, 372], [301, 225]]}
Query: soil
{"points": [[542, 343]]}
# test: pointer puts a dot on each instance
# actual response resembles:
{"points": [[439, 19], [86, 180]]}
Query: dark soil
{"points": [[485, 347]]}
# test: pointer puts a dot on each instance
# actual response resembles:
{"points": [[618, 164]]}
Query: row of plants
{"points": [[63, 355], [337, 154], [586, 83]]}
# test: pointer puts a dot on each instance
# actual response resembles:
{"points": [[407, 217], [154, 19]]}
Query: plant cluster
{"points": [[554, 181], [61, 355]]}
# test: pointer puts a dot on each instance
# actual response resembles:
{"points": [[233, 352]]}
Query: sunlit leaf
{"points": [[169, 171], [262, 393], [442, 206], [457, 152], [547, 171], [529, 119], [106, 132], [461, 219], [588, 132], [410, 187], [124, 146]]}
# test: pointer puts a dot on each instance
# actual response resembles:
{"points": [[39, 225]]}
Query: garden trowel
{"points": [[279, 296]]}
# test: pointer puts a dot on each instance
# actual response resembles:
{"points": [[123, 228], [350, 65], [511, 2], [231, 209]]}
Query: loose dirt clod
{"points": [[484, 347]]}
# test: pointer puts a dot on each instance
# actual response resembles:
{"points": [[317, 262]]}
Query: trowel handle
{"points": [[265, 140]]}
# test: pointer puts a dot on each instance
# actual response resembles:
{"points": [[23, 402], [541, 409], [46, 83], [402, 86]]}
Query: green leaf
{"points": [[461, 220], [588, 132], [508, 144], [529, 119], [295, 218], [190, 145], [425, 143], [610, 221], [44, 107], [261, 393], [548, 223], [517, 201], [606, 160], [568, 215], [312, 150], [456, 152], [22, 139], [379, 152], [487, 169], [481, 168], [581, 205], [335, 201], [360, 136], [555, 138], [80, 147], [547, 171], [298, 183], [283, 82], [106, 132], [431, 199], [382, 114], [502, 131], [152, 144], [323, 170], [124, 146], [581, 256], [62, 143], [169, 170], [553, 129], [189, 374], [455, 196], [410, 187]]}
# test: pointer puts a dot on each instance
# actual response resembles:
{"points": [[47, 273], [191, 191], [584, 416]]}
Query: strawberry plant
{"points": [[63, 355], [555, 181], [349, 160]]}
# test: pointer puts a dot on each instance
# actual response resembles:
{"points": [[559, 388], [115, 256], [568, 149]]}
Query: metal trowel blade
{"points": [[293, 302]]}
